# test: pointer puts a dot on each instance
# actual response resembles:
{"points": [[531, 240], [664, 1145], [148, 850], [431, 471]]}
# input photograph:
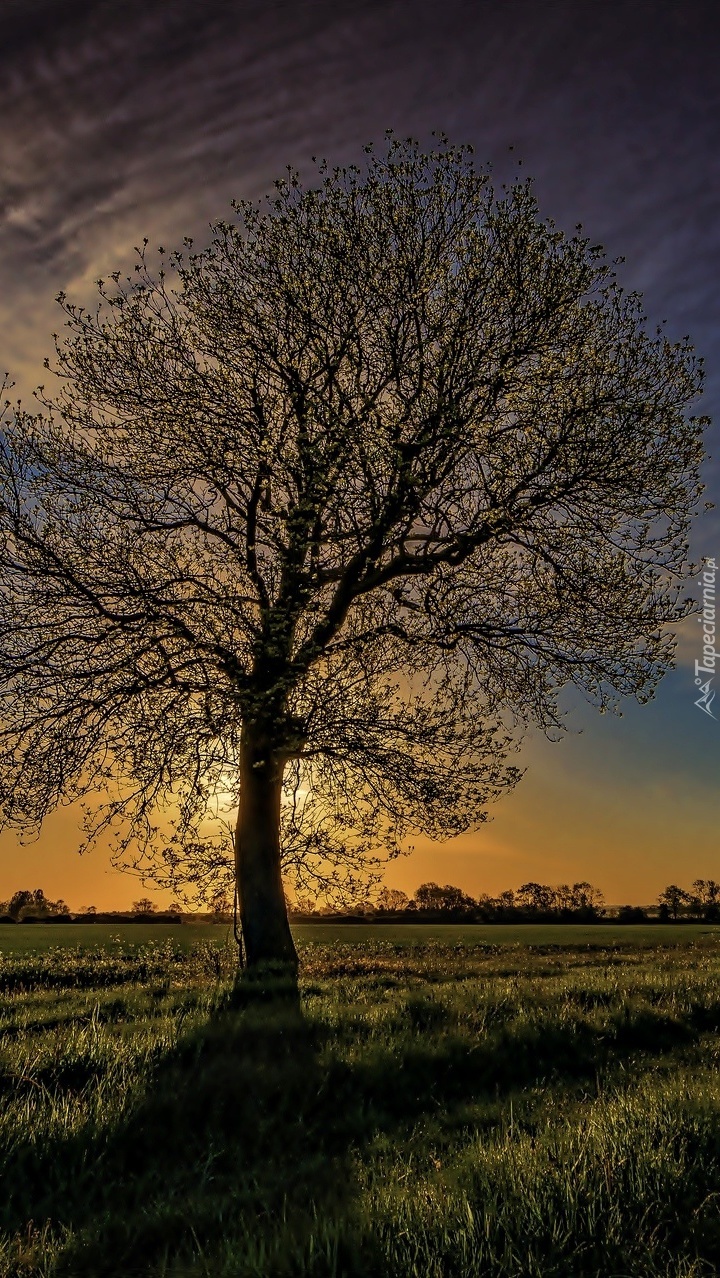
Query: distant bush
{"points": [[166, 916], [45, 918], [632, 914]]}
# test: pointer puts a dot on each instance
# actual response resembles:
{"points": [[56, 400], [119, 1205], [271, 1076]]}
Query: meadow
{"points": [[519, 1106], [35, 937]]}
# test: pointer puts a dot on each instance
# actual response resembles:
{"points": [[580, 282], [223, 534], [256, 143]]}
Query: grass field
{"points": [[509, 1109], [25, 938]]}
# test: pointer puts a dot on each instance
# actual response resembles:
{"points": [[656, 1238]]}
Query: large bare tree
{"points": [[318, 518]]}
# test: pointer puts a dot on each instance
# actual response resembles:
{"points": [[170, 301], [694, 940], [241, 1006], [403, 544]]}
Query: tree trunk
{"points": [[263, 911]]}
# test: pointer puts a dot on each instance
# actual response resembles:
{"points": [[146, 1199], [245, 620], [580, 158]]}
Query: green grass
{"points": [[498, 1109], [25, 938], [566, 935]]}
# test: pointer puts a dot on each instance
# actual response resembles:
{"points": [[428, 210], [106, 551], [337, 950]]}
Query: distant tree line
{"points": [[702, 903], [531, 902], [536, 902], [27, 906]]}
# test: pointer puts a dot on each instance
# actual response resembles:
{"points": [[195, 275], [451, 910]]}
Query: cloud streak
{"points": [[126, 120]]}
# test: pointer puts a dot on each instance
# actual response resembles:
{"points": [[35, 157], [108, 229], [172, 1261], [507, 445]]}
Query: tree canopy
{"points": [[317, 518], [34, 905]]}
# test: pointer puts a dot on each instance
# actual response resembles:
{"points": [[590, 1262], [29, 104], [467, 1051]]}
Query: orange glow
{"points": [[589, 807]]}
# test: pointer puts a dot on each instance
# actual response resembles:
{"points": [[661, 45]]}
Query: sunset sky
{"points": [[122, 119]]}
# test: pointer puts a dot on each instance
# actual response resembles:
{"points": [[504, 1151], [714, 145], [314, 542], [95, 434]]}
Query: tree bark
{"points": [[263, 910]]}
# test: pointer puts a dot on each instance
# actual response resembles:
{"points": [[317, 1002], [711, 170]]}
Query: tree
{"points": [[221, 906], [430, 896], [27, 904], [144, 906], [305, 904], [537, 897], [392, 899], [631, 914], [673, 898], [563, 900], [586, 900], [320, 517], [707, 894], [21, 902]]}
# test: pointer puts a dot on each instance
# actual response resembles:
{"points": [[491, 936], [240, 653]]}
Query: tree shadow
{"points": [[245, 1134], [231, 1135]]}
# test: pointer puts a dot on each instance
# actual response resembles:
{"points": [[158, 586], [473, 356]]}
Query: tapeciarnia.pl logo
{"points": [[707, 620]]}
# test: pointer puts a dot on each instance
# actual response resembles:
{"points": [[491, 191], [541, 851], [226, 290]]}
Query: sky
{"points": [[120, 120]]}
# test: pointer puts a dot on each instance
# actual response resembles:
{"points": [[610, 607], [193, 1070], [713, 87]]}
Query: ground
{"points": [[513, 1102]]}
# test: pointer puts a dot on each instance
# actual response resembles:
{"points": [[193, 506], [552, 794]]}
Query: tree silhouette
{"points": [[430, 896], [673, 898], [144, 906], [586, 899], [392, 899], [220, 905], [536, 896], [707, 897], [321, 516], [27, 904]]}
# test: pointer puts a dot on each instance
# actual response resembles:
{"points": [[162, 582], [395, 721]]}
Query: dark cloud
{"points": [[119, 114], [122, 119]]}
